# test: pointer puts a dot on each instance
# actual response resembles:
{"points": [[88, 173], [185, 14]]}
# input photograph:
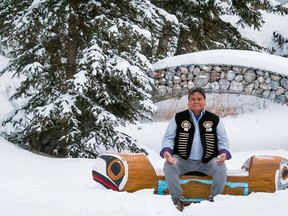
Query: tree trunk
{"points": [[71, 47]]}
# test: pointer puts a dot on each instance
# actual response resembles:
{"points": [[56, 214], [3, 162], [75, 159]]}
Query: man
{"points": [[195, 140]]}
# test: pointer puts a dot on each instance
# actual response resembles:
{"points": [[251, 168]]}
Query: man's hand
{"points": [[169, 157], [221, 158]]}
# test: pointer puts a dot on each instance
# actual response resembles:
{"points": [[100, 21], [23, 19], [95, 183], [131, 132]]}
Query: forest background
{"points": [[81, 67]]}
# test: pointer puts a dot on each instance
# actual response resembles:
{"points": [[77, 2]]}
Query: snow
{"points": [[244, 58], [263, 37], [33, 184]]}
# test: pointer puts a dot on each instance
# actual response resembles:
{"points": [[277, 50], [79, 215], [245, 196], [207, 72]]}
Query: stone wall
{"points": [[175, 81]]}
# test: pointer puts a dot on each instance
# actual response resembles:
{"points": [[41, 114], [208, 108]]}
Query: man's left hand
{"points": [[221, 158]]}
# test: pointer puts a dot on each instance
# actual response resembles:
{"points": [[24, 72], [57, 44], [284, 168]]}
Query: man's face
{"points": [[196, 103]]}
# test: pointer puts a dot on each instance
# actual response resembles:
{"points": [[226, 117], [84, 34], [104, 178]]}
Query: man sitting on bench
{"points": [[195, 140]]}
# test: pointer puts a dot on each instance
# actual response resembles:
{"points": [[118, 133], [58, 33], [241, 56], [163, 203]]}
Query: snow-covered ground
{"points": [[33, 185]]}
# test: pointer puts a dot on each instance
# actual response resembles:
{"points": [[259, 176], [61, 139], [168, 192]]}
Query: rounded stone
{"points": [[250, 76]]}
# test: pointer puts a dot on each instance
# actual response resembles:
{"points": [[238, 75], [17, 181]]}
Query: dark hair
{"points": [[196, 89]]}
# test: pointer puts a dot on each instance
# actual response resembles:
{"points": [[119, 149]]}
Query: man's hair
{"points": [[196, 89]]}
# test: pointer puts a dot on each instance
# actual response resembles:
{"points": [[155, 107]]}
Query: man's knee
{"points": [[220, 172], [218, 169], [169, 167]]}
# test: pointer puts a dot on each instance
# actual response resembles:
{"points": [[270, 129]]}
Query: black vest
{"points": [[185, 133]]}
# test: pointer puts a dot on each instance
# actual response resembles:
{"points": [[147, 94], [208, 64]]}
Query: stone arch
{"points": [[174, 80]]}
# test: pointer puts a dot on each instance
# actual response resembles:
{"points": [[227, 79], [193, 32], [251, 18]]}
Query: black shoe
{"points": [[210, 198], [179, 204]]}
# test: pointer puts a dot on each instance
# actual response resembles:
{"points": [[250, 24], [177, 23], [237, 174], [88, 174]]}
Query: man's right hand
{"points": [[169, 157]]}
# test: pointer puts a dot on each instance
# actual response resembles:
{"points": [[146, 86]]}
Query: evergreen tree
{"points": [[279, 45], [84, 65], [203, 25]]}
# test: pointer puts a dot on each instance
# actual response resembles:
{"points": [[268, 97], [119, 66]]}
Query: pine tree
{"points": [[84, 65], [203, 25], [279, 45]]}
